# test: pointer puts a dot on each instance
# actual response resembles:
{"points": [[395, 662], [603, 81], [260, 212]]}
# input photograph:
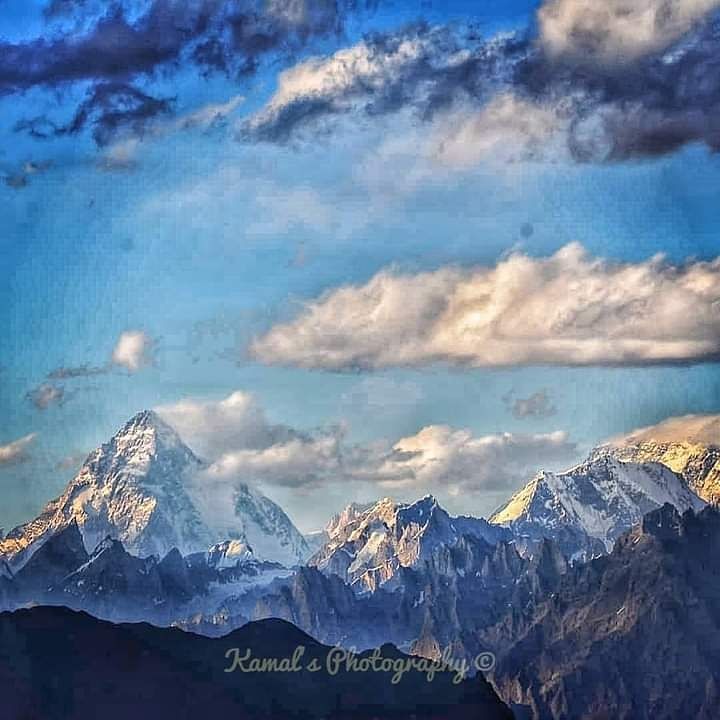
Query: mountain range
{"points": [[113, 584], [579, 569]]}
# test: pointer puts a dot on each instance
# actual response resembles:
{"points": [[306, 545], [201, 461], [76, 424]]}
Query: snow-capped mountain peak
{"points": [[147, 489], [589, 506], [368, 543], [688, 445]]}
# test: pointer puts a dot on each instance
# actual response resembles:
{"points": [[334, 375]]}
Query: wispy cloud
{"points": [[118, 49], [419, 66], [133, 351], [124, 152], [537, 405], [46, 395], [16, 451]]}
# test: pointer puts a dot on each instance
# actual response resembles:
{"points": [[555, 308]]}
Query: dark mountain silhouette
{"points": [[56, 664]]}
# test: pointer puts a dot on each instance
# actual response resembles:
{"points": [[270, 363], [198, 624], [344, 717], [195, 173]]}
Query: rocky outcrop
{"points": [[635, 634]]}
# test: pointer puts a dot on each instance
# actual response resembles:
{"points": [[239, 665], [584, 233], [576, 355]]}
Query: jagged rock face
{"points": [[58, 557], [324, 606], [441, 603], [142, 488], [635, 634], [116, 585], [588, 507], [115, 580], [368, 544]]}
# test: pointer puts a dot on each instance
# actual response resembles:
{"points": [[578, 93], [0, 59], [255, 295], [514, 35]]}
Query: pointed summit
{"points": [[377, 540], [148, 432], [149, 420], [146, 488], [587, 508]]}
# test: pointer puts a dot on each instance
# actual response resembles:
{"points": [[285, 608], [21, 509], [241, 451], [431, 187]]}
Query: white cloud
{"points": [[566, 309], [133, 350], [458, 461], [16, 451], [298, 462], [614, 31], [214, 428], [694, 429], [508, 129], [235, 435], [337, 79], [243, 446]]}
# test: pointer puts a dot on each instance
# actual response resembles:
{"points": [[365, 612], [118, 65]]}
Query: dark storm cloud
{"points": [[120, 45], [421, 67], [117, 44], [649, 106], [538, 405], [111, 107], [114, 48]]}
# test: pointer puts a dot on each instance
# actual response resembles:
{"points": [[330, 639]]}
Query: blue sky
{"points": [[203, 238]]}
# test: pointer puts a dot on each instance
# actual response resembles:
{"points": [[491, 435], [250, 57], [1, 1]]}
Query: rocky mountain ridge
{"points": [[633, 634], [585, 509], [368, 544]]}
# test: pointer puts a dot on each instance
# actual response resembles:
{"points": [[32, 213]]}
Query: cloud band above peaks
{"points": [[566, 309]]}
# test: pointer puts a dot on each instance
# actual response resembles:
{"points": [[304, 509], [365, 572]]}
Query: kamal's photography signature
{"points": [[340, 660]]}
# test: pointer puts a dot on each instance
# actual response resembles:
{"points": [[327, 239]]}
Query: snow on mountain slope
{"points": [[369, 543], [688, 445], [587, 508], [146, 488], [229, 554]]}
